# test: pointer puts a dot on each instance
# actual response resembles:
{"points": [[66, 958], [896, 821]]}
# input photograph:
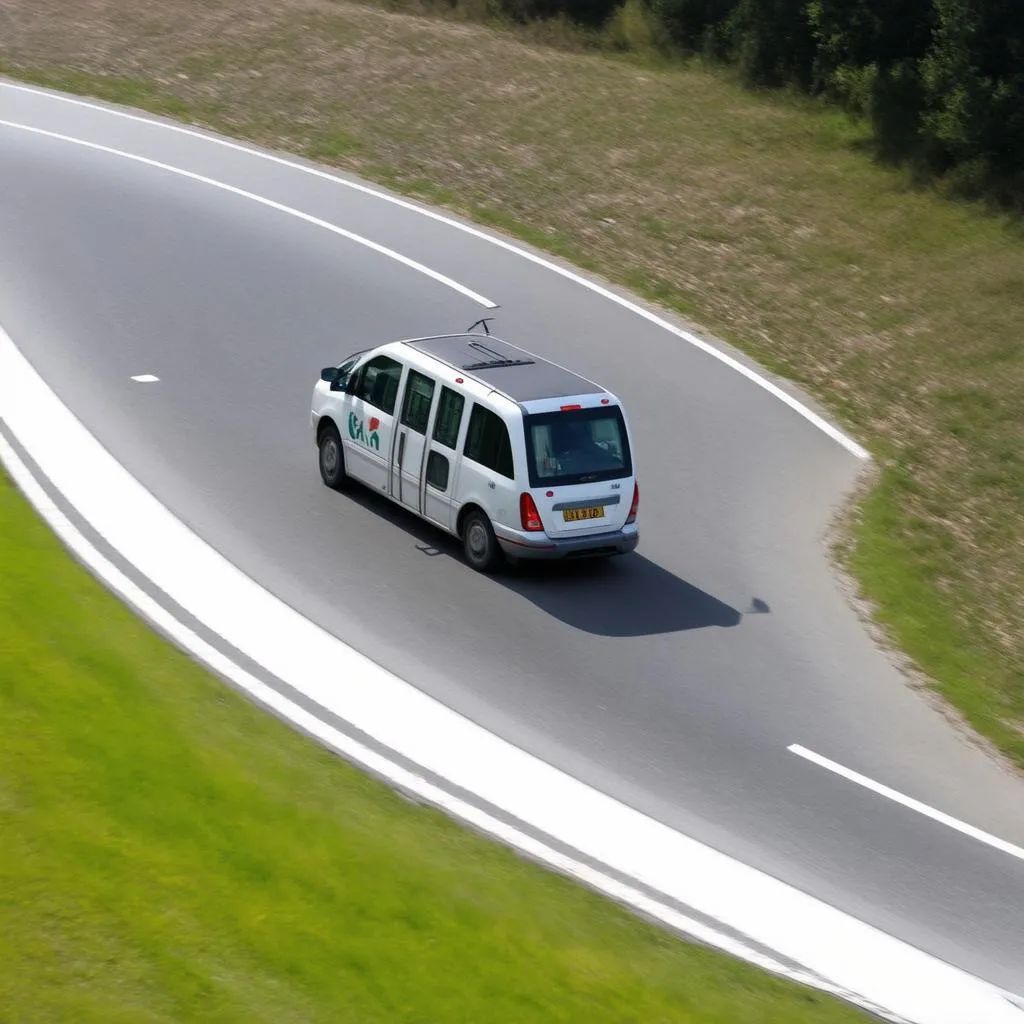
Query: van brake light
{"points": [[631, 518], [528, 513]]}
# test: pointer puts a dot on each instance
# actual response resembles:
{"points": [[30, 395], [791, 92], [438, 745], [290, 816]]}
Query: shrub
{"points": [[774, 42], [634, 27], [974, 83], [592, 13], [695, 25]]}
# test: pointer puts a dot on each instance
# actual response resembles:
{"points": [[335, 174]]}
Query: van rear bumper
{"points": [[592, 545]]}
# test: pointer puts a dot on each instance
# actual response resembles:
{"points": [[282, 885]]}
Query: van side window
{"points": [[419, 393], [376, 383], [449, 418], [487, 442], [437, 471]]}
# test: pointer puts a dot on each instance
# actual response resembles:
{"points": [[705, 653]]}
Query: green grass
{"points": [[900, 571], [169, 852]]}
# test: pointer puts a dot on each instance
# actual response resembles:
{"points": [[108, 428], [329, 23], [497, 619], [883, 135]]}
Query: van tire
{"points": [[479, 543], [332, 459]]}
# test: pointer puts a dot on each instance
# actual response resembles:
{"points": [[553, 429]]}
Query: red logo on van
{"points": [[374, 423]]}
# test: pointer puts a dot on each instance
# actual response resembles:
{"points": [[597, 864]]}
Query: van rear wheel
{"points": [[481, 546], [332, 459]]}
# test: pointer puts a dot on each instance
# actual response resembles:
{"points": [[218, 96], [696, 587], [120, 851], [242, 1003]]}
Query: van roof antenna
{"points": [[484, 321]]}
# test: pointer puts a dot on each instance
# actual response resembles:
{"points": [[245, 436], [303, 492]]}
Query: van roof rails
{"points": [[520, 375]]}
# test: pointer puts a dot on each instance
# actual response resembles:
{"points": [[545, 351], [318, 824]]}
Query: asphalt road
{"points": [[674, 679]]}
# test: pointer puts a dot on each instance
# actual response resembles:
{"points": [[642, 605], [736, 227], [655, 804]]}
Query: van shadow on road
{"points": [[628, 595], [624, 596]]}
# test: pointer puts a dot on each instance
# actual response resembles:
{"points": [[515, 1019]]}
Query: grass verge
{"points": [[172, 853], [760, 217]]}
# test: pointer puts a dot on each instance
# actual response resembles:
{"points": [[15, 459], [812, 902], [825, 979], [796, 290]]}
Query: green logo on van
{"points": [[358, 432]]}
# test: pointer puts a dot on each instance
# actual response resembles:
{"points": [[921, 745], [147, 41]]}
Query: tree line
{"points": [[941, 81]]}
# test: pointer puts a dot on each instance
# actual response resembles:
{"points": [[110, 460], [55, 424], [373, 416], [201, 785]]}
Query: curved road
{"points": [[675, 679]]}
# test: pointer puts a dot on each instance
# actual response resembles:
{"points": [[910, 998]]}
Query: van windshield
{"points": [[577, 446]]}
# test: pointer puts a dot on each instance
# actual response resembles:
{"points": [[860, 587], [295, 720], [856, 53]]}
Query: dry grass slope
{"points": [[759, 217]]}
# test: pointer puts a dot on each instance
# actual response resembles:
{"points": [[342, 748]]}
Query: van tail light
{"points": [[631, 518], [528, 513]]}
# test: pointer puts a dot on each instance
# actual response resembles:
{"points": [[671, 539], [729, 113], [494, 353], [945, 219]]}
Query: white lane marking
{"points": [[907, 801], [851, 955], [145, 378], [156, 614], [234, 190], [752, 375]]}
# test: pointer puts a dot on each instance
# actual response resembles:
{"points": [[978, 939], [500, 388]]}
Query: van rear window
{"points": [[577, 446]]}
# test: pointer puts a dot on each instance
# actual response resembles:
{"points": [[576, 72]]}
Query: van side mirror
{"points": [[336, 377]]}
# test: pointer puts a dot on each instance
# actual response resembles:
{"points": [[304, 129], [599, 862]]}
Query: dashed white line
{"points": [[145, 378], [677, 871], [338, 741], [234, 190], [915, 805]]}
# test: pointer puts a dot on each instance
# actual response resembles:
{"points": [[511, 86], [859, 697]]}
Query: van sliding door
{"points": [[408, 453]]}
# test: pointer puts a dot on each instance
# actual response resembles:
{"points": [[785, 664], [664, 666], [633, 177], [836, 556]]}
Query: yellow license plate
{"points": [[574, 515]]}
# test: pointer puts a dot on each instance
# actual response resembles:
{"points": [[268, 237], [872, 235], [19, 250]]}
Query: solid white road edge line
{"points": [[915, 805], [234, 190], [783, 396], [352, 749], [853, 956]]}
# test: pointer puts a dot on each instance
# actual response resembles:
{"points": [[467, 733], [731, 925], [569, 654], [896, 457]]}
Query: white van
{"points": [[516, 456]]}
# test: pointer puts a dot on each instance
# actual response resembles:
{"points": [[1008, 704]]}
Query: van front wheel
{"points": [[479, 542], [332, 459]]}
